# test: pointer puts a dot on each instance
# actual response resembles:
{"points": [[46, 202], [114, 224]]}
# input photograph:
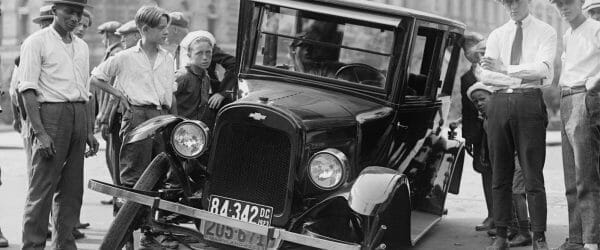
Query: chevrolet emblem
{"points": [[257, 116]]}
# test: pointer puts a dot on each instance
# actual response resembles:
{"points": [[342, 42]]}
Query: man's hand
{"points": [[104, 130], [92, 144], [46, 148], [493, 64], [215, 101], [123, 101]]}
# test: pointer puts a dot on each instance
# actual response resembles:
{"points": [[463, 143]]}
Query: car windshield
{"points": [[324, 46]]}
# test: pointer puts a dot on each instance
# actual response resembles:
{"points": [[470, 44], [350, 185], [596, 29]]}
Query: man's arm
{"points": [[32, 107], [103, 85], [544, 61], [226, 61]]}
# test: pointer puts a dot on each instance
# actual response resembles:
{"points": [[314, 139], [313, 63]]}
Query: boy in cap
{"points": [[580, 130], [592, 8], [53, 74], [145, 86], [193, 83]]}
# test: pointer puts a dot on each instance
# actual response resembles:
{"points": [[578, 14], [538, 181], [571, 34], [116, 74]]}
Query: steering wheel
{"points": [[360, 73]]}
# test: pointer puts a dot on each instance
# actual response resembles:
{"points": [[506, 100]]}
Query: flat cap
{"points": [[178, 19], [45, 14], [190, 37], [590, 4], [109, 27], [81, 3], [128, 27]]}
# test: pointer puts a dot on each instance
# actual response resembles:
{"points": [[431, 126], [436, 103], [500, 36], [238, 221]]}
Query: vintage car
{"points": [[338, 139]]}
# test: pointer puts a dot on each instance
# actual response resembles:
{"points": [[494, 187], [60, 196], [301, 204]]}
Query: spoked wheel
{"points": [[120, 232]]}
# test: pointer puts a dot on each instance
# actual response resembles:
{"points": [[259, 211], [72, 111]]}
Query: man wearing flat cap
{"points": [[592, 9], [112, 43], [129, 34], [178, 29], [53, 76]]}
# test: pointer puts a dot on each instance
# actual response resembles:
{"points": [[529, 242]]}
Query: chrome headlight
{"points": [[190, 138], [328, 169]]}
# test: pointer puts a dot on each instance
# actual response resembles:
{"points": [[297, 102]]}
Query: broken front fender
{"points": [[151, 127]]}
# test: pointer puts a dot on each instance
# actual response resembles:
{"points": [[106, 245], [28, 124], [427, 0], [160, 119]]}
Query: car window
{"points": [[423, 62], [323, 46]]}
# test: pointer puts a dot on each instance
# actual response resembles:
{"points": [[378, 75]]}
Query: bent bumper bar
{"points": [[272, 232]]}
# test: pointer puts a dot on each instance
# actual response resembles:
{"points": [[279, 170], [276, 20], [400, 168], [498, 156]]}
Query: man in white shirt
{"points": [[144, 83], [53, 75], [523, 49], [580, 116]]}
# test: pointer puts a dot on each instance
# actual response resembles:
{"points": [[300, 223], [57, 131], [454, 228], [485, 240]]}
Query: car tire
{"points": [[121, 227]]}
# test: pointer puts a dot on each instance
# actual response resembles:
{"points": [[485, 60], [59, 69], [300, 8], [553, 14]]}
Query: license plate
{"points": [[239, 210]]}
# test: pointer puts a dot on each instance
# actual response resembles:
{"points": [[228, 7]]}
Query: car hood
{"points": [[314, 107]]}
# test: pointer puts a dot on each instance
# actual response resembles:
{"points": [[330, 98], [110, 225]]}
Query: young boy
{"points": [[580, 116], [480, 94], [193, 83], [145, 82]]}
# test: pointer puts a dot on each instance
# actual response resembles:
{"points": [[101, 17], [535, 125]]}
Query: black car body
{"points": [[346, 143]]}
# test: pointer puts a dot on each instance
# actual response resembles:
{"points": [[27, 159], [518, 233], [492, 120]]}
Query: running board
{"points": [[277, 234], [421, 223]]}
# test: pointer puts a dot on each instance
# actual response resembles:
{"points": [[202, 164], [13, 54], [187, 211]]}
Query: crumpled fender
{"points": [[374, 188], [151, 127]]}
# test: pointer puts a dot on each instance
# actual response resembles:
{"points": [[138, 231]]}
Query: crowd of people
{"points": [[153, 65], [504, 118]]}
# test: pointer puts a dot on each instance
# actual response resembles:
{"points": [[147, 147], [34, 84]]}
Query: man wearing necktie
{"points": [[518, 60]]}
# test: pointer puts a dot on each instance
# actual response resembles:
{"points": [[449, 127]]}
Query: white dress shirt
{"points": [[57, 71], [581, 55], [538, 51], [142, 83]]}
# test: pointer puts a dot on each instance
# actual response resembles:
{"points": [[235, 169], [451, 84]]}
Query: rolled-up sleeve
{"points": [[107, 69], [30, 66], [543, 66]]}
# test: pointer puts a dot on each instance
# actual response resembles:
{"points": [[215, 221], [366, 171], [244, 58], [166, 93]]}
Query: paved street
{"points": [[455, 231]]}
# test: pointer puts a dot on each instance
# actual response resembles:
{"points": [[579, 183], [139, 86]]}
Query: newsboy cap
{"points": [[109, 27], [591, 4], [82, 3], [126, 28], [178, 19], [45, 14]]}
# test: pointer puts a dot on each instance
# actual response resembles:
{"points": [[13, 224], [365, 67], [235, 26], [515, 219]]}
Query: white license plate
{"points": [[239, 210]]}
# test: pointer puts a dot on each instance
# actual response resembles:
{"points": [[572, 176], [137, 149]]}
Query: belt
{"points": [[152, 106], [517, 90], [68, 102], [572, 90]]}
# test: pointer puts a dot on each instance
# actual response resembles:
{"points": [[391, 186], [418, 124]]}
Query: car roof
{"points": [[382, 9]]}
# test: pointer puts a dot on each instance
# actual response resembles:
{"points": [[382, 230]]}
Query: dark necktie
{"points": [[517, 46]]}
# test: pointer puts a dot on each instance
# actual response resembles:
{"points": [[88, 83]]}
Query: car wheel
{"points": [[121, 227]]}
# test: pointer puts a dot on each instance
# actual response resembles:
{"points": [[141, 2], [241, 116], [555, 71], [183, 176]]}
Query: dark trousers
{"points": [[517, 123], [56, 183], [135, 157], [113, 141], [580, 116]]}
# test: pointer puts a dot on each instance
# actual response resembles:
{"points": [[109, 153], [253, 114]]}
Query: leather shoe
{"points": [[540, 245], [82, 225], [492, 232], [520, 240], [77, 234], [3, 241], [570, 246], [498, 244], [487, 224]]}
